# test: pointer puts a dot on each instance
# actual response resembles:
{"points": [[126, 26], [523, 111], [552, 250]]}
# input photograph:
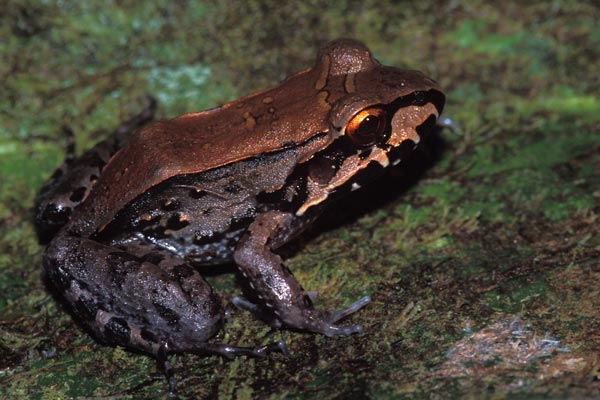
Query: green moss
{"points": [[564, 101], [512, 298]]}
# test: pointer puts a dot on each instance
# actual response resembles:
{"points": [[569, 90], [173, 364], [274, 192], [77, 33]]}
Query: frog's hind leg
{"points": [[149, 301], [136, 301], [72, 181]]}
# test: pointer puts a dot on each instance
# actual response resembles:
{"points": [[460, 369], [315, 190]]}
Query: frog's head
{"points": [[377, 115]]}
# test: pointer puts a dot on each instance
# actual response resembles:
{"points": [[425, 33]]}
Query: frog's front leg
{"points": [[276, 287]]}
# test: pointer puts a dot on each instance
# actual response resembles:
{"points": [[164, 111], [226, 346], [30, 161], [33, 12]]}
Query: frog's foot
{"points": [[335, 316], [325, 321], [307, 318], [223, 350]]}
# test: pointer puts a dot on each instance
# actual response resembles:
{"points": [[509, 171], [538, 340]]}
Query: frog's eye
{"points": [[367, 127]]}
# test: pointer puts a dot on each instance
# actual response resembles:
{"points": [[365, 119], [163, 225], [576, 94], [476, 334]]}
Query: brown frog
{"points": [[131, 218]]}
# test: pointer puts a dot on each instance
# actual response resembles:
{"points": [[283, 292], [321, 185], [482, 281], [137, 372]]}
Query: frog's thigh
{"points": [[138, 302]]}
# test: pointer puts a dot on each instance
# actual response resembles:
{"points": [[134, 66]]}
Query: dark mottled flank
{"points": [[233, 188], [171, 204], [176, 222], [197, 194]]}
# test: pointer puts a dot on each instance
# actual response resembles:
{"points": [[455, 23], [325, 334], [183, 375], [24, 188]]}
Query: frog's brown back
{"points": [[292, 113], [198, 142]]}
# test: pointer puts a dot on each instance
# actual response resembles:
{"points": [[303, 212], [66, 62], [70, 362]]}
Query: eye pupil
{"points": [[368, 126]]}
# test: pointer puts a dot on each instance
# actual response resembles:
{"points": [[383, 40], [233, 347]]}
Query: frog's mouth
{"points": [[343, 167]]}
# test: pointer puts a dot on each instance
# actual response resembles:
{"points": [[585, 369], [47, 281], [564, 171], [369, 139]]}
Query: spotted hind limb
{"points": [[283, 301], [141, 298]]}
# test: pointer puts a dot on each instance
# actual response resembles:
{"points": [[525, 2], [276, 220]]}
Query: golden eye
{"points": [[367, 127]]}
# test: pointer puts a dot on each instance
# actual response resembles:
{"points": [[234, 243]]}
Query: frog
{"points": [[131, 223]]}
